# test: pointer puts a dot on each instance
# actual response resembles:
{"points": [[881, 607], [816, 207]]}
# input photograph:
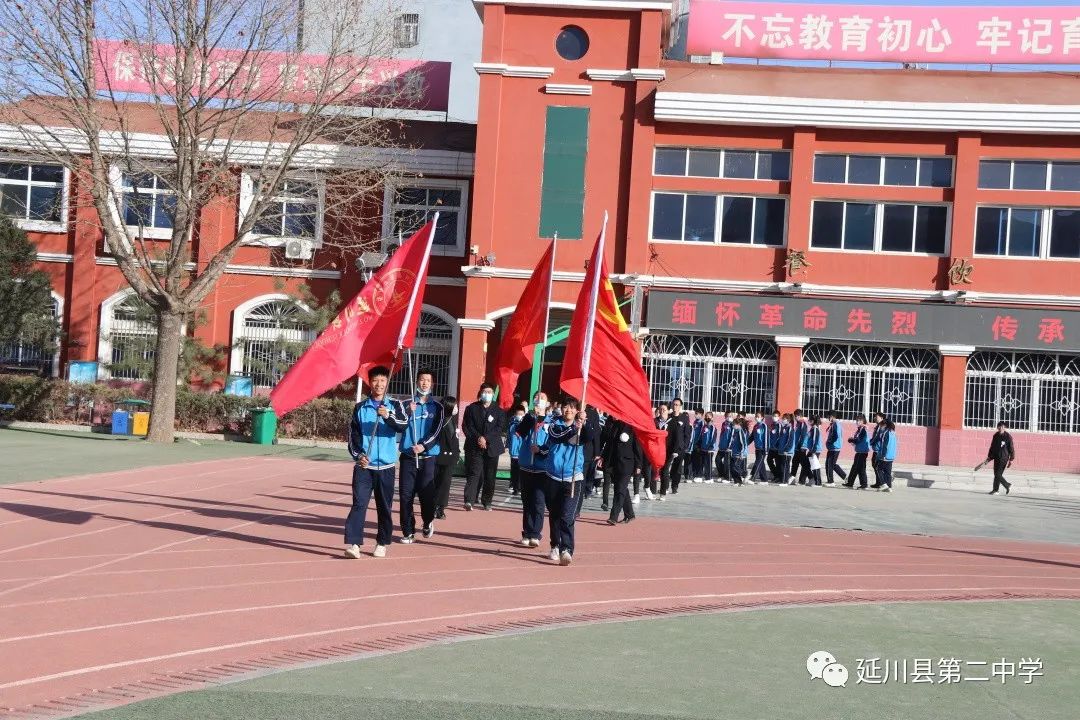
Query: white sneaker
{"points": [[710, 481], [726, 482], [565, 558], [791, 481], [554, 554], [526, 542], [353, 551], [636, 499], [661, 498], [408, 540], [995, 492], [698, 480], [649, 495], [533, 542], [380, 551], [886, 489]]}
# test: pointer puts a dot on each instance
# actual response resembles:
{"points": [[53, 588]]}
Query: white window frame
{"points": [[47, 226], [390, 192], [881, 170], [1012, 174], [998, 377], [247, 198], [116, 179], [879, 227], [717, 219], [239, 316], [1046, 214], [723, 151]]}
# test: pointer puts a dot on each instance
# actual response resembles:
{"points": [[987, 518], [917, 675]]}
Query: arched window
{"points": [[132, 338], [272, 335], [433, 350], [719, 374], [863, 379], [1028, 391], [25, 353]]}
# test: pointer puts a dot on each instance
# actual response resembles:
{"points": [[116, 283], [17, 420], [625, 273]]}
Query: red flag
{"points": [[370, 330], [526, 329], [602, 365]]}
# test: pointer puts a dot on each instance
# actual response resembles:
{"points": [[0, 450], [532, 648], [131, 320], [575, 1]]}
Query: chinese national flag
{"points": [[602, 363], [370, 330], [525, 330]]}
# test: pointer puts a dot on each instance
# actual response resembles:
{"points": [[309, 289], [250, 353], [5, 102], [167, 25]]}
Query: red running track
{"points": [[119, 586]]}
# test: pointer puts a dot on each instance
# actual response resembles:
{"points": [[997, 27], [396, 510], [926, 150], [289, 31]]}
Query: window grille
{"points": [[1028, 391], [719, 374]]}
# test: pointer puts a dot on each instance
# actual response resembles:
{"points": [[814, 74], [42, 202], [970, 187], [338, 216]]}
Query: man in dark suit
{"points": [[1002, 453], [678, 447], [484, 425], [623, 458]]}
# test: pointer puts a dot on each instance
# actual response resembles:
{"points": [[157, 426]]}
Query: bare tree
{"points": [[230, 85]]}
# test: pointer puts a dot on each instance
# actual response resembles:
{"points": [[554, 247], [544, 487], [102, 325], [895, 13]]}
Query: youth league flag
{"points": [[602, 365], [371, 330], [527, 329]]}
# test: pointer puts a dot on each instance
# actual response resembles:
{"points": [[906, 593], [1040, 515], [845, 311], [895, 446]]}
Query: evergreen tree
{"points": [[25, 292]]}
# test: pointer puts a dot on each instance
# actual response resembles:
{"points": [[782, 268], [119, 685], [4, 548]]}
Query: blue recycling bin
{"points": [[121, 422]]}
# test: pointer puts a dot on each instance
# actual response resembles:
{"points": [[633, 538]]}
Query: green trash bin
{"points": [[263, 426]]}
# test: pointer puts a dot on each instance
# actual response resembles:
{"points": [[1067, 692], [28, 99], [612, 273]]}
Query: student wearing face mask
{"points": [[484, 425], [708, 447], [697, 455], [738, 450], [567, 437], [773, 456], [786, 445], [815, 445], [419, 448], [800, 463], [832, 448], [513, 442], [533, 465], [760, 435], [723, 447], [886, 456], [662, 421], [861, 441], [448, 457]]}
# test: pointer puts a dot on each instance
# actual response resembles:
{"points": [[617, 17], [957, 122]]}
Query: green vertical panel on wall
{"points": [[562, 193]]}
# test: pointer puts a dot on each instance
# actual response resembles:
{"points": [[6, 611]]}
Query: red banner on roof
{"points": [[281, 77], [939, 33]]}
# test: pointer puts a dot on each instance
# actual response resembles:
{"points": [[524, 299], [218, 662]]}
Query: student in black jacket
{"points": [[623, 458], [678, 447], [1002, 453], [449, 454], [485, 427]]}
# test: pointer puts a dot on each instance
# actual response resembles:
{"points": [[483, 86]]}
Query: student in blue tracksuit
{"points": [[875, 440], [800, 463], [761, 434], [738, 450], [773, 458], [861, 441], [886, 456], [815, 445], [833, 443], [786, 446], [567, 438], [513, 442], [419, 448], [533, 467], [709, 437], [697, 455], [373, 444], [723, 448]]}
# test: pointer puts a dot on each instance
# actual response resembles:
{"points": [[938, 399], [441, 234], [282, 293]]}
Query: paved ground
{"points": [[705, 667]]}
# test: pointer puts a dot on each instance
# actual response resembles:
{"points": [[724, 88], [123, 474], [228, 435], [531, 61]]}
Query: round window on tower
{"points": [[572, 43]]}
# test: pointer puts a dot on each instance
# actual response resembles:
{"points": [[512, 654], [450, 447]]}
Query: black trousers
{"points": [[831, 466], [561, 500], [999, 473], [480, 471], [677, 468], [444, 474], [416, 480], [884, 473], [773, 460], [608, 483], [738, 468], [802, 466], [785, 469], [533, 502], [759, 474], [665, 474], [858, 471], [365, 483], [515, 477], [623, 500]]}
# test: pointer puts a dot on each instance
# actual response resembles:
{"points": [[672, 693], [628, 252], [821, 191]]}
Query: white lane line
{"points": [[482, 613], [518, 586]]}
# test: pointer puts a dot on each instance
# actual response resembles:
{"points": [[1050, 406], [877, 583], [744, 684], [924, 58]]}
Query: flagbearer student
{"points": [[373, 444], [419, 449], [484, 425], [532, 466], [567, 438]]}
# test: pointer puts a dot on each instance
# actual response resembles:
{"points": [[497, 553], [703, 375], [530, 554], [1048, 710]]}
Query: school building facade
{"points": [[905, 241]]}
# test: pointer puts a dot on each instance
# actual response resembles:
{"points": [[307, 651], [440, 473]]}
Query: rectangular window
{"points": [[887, 227], [413, 205], [1028, 232], [562, 194], [737, 219], [722, 164], [148, 201], [896, 171], [407, 30], [32, 193], [1063, 176], [293, 212]]}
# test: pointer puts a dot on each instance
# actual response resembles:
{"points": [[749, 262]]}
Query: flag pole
{"points": [[547, 310], [412, 419], [590, 326]]}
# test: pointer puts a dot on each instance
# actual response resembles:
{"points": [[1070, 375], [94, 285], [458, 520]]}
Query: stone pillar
{"points": [[473, 360], [954, 360], [789, 371]]}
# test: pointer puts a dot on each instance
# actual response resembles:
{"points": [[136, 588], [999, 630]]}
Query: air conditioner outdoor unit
{"points": [[299, 249]]}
